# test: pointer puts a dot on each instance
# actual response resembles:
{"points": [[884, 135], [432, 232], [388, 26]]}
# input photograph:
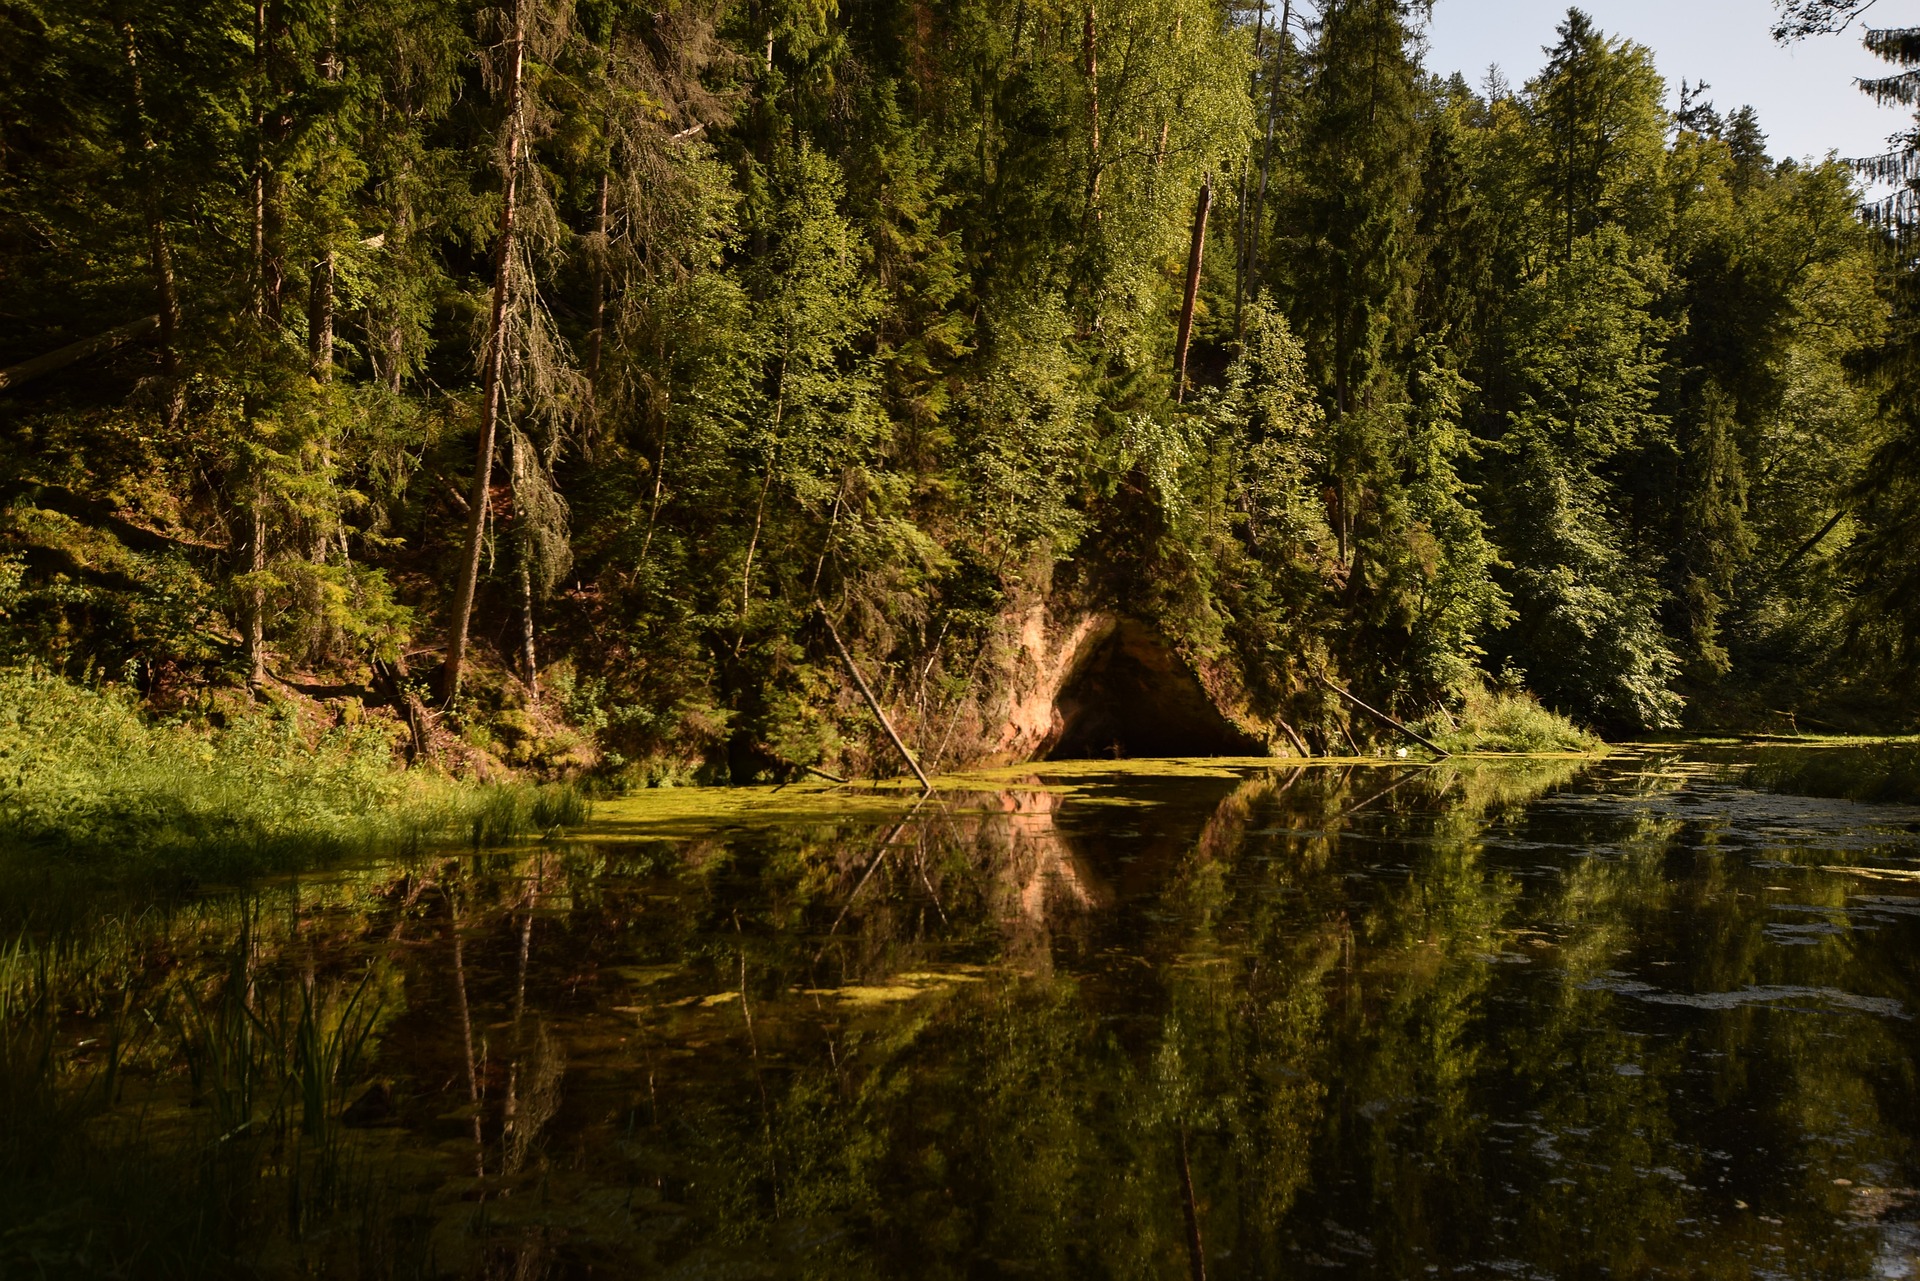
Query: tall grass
{"points": [[1499, 721], [87, 780], [184, 1122]]}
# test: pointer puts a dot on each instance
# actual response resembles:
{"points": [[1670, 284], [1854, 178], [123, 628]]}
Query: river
{"points": [[1545, 1018]]}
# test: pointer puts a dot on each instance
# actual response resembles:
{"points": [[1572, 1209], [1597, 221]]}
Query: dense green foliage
{"points": [[88, 783], [875, 304]]}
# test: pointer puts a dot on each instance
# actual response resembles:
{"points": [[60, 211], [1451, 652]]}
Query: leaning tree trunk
{"points": [[1194, 253], [490, 381]]}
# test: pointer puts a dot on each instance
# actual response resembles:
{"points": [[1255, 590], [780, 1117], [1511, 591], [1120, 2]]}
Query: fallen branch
{"points": [[1800, 552], [61, 357], [1293, 737], [873, 704], [1386, 720]]}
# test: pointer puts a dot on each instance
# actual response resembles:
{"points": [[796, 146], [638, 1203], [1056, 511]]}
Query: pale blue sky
{"points": [[1803, 92]]}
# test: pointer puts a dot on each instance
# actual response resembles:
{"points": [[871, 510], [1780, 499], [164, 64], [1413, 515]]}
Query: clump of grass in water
{"points": [[204, 1126], [87, 780], [1883, 771], [508, 811], [1502, 721]]}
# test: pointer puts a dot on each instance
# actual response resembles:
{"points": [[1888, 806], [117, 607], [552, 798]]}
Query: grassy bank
{"points": [[89, 781], [1497, 721], [1886, 770]]}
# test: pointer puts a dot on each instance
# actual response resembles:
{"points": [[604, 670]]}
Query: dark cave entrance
{"points": [[1130, 695]]}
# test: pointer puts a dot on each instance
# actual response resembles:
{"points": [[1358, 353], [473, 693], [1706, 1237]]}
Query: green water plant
{"points": [[192, 1119]]}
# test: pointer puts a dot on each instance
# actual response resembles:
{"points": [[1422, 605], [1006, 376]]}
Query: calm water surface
{"points": [[1551, 1019]]}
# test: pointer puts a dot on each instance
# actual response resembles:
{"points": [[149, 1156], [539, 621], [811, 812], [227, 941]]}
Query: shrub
{"points": [[1503, 721]]}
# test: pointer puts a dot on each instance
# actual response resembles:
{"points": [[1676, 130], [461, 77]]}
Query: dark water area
{"points": [[1533, 1019]]}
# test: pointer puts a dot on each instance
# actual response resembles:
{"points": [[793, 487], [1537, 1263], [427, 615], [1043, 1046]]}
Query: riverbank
{"points": [[1848, 769], [90, 782]]}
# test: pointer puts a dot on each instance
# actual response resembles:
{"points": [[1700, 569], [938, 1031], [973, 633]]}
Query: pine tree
{"points": [[1889, 492]]}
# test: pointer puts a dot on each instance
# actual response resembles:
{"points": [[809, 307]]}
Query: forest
{"points": [[561, 384], [571, 571]]}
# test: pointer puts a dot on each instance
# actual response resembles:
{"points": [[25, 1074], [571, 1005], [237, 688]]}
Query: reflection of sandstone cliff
{"points": [[1040, 867], [1034, 882], [1099, 684]]}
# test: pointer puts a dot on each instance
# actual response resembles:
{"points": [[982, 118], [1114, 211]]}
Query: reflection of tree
{"points": [[1352, 1017]]}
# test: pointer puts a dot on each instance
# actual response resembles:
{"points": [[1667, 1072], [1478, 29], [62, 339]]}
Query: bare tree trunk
{"points": [[1266, 155], [256, 635], [387, 350], [598, 334], [490, 382], [159, 255], [270, 128], [320, 285], [1090, 50], [265, 304], [1240, 254], [524, 550], [256, 264], [320, 366], [161, 258], [1194, 253], [320, 319], [527, 653], [320, 325], [760, 510], [659, 491]]}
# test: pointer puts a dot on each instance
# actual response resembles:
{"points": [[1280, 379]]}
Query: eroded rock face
{"points": [[1129, 694], [1042, 663], [1104, 685]]}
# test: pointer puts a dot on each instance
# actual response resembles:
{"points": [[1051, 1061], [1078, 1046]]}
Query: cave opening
{"points": [[1130, 695]]}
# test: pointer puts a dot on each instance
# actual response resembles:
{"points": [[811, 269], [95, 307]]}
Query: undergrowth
{"points": [[87, 780]]}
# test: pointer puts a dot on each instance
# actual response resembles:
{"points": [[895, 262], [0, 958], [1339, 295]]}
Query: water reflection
{"points": [[1537, 1019]]}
